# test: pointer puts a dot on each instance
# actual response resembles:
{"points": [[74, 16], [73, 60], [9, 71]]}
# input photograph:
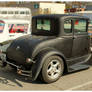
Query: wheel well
{"points": [[42, 54], [65, 65]]}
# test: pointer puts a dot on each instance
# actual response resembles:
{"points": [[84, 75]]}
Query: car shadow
{"points": [[9, 77], [75, 72]]}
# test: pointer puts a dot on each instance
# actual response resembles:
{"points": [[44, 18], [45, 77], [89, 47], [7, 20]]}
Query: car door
{"points": [[67, 43], [80, 39]]}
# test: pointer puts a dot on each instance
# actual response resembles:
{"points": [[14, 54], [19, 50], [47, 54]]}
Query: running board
{"points": [[78, 67]]}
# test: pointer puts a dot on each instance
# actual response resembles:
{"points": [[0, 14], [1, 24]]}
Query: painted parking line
{"points": [[79, 86]]}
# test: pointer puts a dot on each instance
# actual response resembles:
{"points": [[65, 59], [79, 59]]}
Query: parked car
{"points": [[14, 22], [59, 43]]}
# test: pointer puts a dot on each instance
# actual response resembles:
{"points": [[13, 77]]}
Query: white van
{"points": [[14, 22], [13, 28], [11, 20]]}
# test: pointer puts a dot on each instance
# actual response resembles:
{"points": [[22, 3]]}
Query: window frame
{"points": [[42, 32]]}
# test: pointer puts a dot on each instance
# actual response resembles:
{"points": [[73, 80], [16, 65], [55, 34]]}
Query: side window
{"points": [[2, 24], [90, 28], [18, 28], [10, 12], [22, 12], [4, 12], [27, 12], [16, 12], [80, 26], [68, 26]]}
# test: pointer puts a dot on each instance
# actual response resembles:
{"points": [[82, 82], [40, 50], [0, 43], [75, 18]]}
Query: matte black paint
{"points": [[72, 48]]}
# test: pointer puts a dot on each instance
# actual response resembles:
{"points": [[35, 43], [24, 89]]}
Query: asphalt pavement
{"points": [[80, 80]]}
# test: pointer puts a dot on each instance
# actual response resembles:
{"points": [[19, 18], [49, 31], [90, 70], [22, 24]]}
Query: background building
{"points": [[48, 7], [42, 7], [38, 7]]}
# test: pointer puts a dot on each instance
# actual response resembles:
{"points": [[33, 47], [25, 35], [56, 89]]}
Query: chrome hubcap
{"points": [[54, 69]]}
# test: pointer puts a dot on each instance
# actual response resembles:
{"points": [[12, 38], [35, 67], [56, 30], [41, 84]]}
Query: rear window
{"points": [[43, 25]]}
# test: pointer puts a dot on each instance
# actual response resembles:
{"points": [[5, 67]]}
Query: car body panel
{"points": [[73, 48]]}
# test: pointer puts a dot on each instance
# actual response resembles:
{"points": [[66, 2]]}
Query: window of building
{"points": [[36, 6], [68, 26], [18, 28], [80, 26]]}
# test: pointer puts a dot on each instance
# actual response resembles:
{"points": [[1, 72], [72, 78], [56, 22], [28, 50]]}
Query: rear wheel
{"points": [[52, 69]]}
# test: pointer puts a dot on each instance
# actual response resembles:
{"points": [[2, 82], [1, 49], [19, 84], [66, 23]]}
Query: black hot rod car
{"points": [[59, 43]]}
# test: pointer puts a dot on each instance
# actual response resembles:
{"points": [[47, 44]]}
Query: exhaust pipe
{"points": [[24, 73]]}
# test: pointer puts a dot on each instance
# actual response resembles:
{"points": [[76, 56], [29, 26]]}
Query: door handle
{"points": [[74, 37]]}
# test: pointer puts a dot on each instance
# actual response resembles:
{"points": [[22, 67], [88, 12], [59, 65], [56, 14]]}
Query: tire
{"points": [[52, 69]]}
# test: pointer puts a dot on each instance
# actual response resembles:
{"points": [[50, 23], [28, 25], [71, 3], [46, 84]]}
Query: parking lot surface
{"points": [[80, 80]]}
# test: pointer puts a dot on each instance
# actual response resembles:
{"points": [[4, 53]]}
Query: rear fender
{"points": [[40, 58]]}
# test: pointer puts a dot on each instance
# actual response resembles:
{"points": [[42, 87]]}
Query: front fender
{"points": [[40, 58]]}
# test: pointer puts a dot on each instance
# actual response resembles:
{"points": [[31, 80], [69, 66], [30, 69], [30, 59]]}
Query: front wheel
{"points": [[52, 69]]}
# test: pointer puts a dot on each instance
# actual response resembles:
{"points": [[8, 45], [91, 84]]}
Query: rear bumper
{"points": [[20, 70]]}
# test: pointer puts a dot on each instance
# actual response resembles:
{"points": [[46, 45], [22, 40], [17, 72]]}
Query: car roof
{"points": [[59, 16]]}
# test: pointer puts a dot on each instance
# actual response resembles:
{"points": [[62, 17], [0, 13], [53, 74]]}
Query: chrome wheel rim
{"points": [[54, 69]]}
